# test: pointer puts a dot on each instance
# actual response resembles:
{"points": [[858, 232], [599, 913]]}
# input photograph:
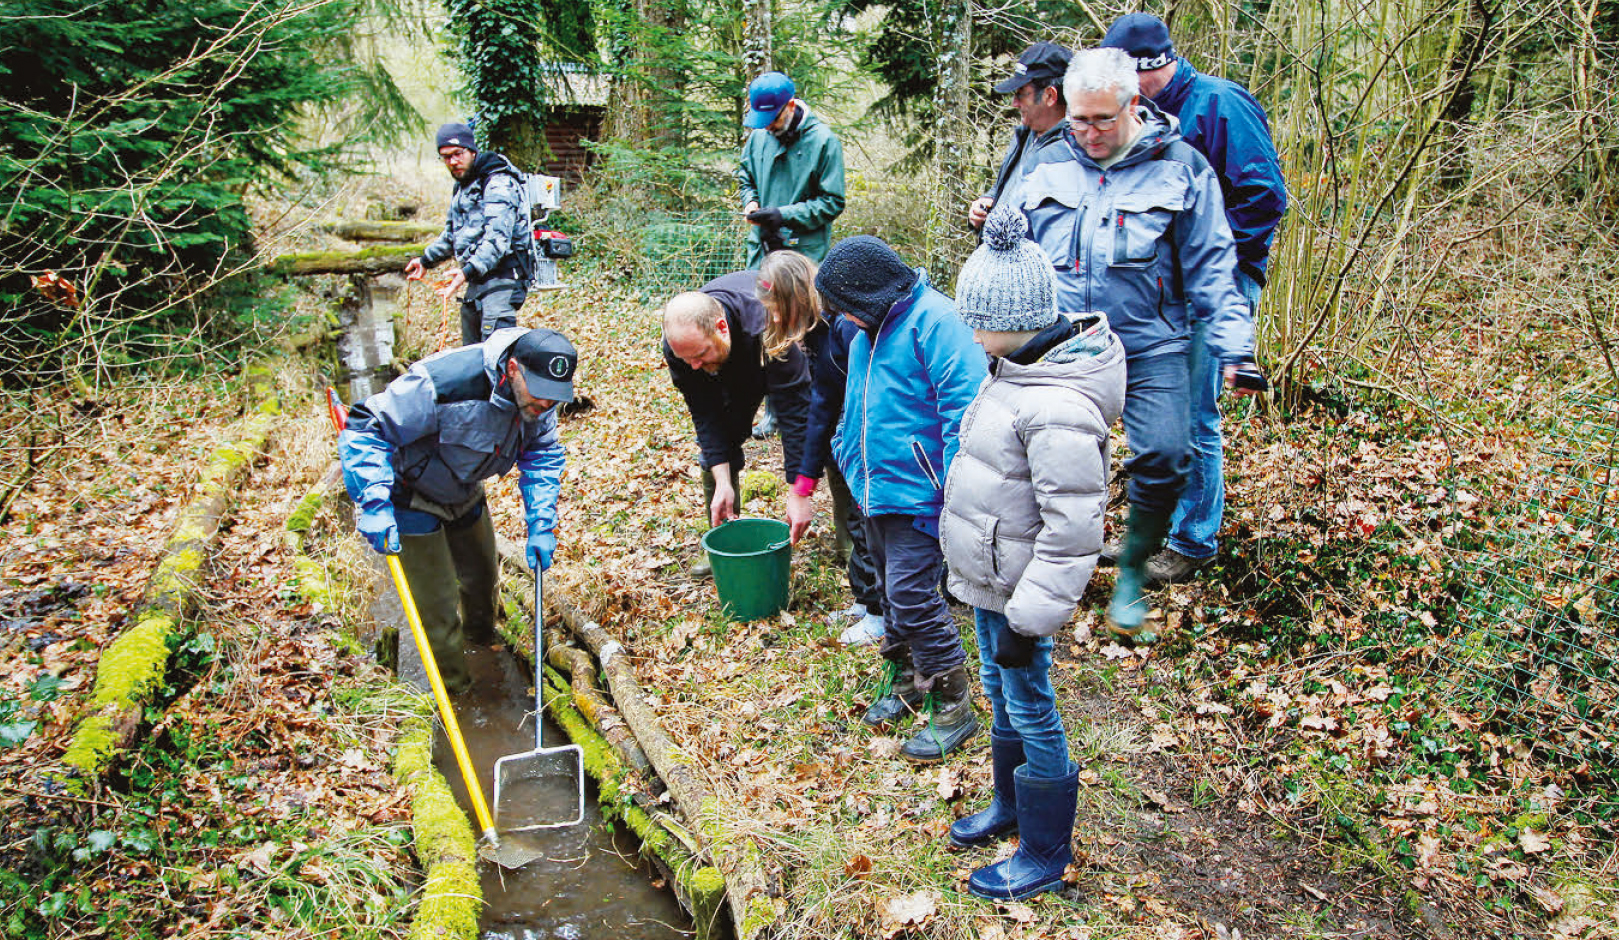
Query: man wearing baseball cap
{"points": [[415, 456], [791, 173], [1036, 90], [1224, 123]]}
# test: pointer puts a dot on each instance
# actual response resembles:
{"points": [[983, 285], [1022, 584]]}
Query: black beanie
{"points": [[862, 276], [456, 135]]}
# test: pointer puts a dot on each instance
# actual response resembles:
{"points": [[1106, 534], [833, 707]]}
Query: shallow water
{"points": [[588, 881]]}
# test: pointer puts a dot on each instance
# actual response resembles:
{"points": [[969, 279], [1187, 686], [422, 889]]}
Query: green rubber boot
{"points": [[1127, 612]]}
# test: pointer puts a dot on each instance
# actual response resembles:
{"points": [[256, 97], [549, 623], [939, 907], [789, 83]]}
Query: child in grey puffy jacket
{"points": [[1021, 529]]}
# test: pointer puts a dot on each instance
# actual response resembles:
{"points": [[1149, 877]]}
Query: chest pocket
{"points": [[1140, 222], [1052, 213], [472, 447]]}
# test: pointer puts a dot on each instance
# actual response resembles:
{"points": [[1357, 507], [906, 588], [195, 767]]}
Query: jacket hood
{"points": [[1097, 372], [495, 350], [1169, 100], [487, 162]]}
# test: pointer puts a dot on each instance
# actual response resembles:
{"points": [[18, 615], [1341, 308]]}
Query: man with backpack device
{"points": [[490, 233]]}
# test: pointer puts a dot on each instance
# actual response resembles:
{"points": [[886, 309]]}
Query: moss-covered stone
{"points": [[304, 515]]}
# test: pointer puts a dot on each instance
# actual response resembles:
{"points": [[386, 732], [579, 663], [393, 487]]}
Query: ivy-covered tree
{"points": [[129, 133]]}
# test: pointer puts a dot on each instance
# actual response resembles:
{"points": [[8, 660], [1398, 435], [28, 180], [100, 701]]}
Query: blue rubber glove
{"points": [[1013, 650], [541, 546], [378, 526]]}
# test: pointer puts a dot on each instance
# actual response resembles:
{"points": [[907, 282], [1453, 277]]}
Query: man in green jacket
{"points": [[791, 173]]}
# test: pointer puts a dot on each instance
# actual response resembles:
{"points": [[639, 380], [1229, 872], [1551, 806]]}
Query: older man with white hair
{"points": [[1132, 219]]}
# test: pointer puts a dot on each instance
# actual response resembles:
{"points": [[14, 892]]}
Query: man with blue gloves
{"points": [[415, 456]]}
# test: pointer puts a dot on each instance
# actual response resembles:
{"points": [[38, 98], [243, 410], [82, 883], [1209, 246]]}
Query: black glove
{"points": [[766, 218], [1013, 650]]}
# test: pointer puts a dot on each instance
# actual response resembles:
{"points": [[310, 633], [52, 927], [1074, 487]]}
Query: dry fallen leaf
{"points": [[857, 867], [949, 783], [909, 910], [1533, 842]]}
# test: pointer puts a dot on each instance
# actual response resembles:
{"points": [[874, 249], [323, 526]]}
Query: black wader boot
{"points": [[999, 819], [951, 720], [898, 698], [430, 574], [472, 545]]}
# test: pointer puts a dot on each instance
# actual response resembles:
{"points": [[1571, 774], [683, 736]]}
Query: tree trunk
{"points": [[757, 57], [949, 238]]}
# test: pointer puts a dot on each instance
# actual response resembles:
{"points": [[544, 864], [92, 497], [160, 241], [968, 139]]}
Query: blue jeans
{"points": [[1195, 527], [1156, 427], [1025, 706]]}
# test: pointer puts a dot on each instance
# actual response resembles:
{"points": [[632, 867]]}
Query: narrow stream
{"points": [[591, 882]]}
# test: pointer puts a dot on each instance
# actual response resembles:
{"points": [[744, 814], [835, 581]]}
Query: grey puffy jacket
{"points": [[1023, 505]]}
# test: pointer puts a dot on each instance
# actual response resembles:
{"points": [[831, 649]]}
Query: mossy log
{"points": [[753, 909], [700, 888], [378, 231], [133, 666], [452, 897], [383, 259]]}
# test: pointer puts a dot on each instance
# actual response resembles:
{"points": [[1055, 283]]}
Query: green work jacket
{"points": [[804, 180]]}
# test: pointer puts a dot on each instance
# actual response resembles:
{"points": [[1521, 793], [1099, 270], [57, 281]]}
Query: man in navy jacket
{"points": [[1224, 123]]}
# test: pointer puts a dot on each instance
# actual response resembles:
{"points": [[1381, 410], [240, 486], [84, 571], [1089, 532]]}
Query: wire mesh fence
{"points": [[681, 251], [1537, 653]]}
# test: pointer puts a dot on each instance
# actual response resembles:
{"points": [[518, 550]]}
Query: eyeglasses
{"points": [[455, 154], [1100, 124]]}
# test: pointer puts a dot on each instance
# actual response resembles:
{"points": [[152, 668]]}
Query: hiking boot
{"points": [[1127, 611], [766, 425], [1171, 567], [1045, 820], [701, 569], [854, 611], [950, 720], [864, 632], [1109, 555], [999, 819], [898, 697]]}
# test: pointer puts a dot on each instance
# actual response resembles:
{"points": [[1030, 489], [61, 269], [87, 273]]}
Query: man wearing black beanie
{"points": [[487, 230], [913, 370]]}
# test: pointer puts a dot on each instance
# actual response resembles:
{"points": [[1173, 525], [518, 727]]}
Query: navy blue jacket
{"points": [[828, 346], [1224, 123]]}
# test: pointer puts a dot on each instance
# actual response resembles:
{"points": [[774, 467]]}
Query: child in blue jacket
{"points": [[913, 370]]}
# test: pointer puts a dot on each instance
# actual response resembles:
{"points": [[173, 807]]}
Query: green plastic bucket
{"points": [[752, 561]]}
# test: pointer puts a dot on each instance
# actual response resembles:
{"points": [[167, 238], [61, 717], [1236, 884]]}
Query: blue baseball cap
{"points": [[768, 94]]}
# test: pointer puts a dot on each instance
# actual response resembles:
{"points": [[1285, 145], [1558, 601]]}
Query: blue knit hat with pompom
{"points": [[1007, 285]]}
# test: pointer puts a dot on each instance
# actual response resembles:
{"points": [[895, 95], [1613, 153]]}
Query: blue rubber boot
{"points": [[1045, 814], [999, 820], [1127, 611]]}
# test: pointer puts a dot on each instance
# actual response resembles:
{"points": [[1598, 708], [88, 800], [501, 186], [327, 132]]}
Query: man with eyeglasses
{"points": [[1224, 123], [1132, 220], [1036, 90], [415, 456], [487, 231]]}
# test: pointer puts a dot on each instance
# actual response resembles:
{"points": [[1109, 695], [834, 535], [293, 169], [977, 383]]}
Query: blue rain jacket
{"points": [[430, 439], [908, 388], [1224, 123]]}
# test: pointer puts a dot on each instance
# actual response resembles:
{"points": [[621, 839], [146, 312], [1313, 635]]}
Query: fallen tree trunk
{"points": [[747, 890], [372, 231], [386, 259]]}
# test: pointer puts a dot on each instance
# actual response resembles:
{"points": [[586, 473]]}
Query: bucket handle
{"points": [[778, 546]]}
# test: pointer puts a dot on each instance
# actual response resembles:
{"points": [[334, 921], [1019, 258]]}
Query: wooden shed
{"points": [[575, 113]]}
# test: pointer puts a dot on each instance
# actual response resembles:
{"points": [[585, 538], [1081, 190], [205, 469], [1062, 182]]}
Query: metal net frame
{"points": [[1537, 656]]}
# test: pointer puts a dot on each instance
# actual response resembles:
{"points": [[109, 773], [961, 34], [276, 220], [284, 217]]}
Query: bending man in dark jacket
{"points": [[487, 232], [415, 456], [1224, 123], [712, 343]]}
